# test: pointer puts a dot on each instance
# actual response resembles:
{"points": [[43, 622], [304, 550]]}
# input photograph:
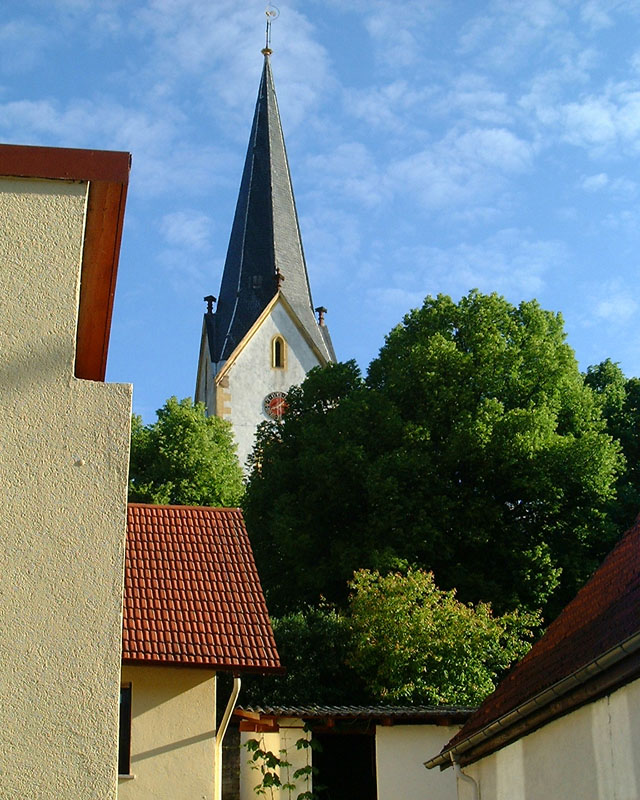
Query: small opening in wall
{"points": [[124, 739], [278, 353]]}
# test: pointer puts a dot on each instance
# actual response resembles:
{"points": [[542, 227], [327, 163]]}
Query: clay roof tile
{"points": [[192, 593]]}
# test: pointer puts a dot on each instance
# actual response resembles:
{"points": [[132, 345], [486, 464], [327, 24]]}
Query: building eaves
{"points": [[107, 174], [591, 648], [437, 715]]}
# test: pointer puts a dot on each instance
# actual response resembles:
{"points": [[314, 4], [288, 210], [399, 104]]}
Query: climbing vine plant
{"points": [[275, 770]]}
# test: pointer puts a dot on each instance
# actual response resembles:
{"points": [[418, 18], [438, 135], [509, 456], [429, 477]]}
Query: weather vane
{"points": [[272, 13]]}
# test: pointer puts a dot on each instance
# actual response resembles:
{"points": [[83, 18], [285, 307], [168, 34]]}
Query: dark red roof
{"points": [[192, 595], [603, 614]]}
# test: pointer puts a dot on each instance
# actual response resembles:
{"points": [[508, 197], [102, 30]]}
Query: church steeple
{"points": [[265, 254], [263, 336]]}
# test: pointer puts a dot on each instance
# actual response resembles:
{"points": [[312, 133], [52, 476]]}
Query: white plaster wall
{"points": [[252, 377], [63, 477], [172, 733], [282, 744], [590, 754], [401, 751]]}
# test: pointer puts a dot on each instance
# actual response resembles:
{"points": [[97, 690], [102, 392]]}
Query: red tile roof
{"points": [[603, 614], [192, 595]]}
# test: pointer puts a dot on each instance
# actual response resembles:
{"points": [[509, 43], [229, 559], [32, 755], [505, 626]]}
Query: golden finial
{"points": [[271, 13]]}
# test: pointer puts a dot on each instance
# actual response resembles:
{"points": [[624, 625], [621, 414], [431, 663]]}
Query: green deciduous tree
{"points": [[473, 449], [313, 645], [620, 400], [312, 494], [400, 640], [184, 458], [413, 643]]}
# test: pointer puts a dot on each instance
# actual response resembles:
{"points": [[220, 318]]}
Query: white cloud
{"points": [[592, 183], [386, 106], [509, 262], [595, 14], [162, 160], [600, 14], [464, 167], [623, 188], [510, 29], [615, 303], [590, 122], [188, 39], [348, 172], [600, 122], [473, 97], [398, 30], [22, 44], [188, 229]]}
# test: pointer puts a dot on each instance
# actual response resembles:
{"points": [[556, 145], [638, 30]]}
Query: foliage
{"points": [[400, 640], [184, 458], [474, 449], [414, 643], [313, 645], [273, 768], [310, 498], [620, 401]]}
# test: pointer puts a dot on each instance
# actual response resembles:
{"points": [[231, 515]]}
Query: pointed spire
{"points": [[265, 237]]}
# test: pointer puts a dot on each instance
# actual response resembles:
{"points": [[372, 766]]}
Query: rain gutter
{"points": [[580, 676]]}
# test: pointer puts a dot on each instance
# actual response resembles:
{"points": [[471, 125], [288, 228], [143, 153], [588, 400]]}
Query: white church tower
{"points": [[263, 336]]}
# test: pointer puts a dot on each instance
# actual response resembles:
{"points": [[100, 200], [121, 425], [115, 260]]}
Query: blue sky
{"points": [[435, 146]]}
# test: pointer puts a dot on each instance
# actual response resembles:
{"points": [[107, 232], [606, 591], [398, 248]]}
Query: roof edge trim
{"points": [[279, 296], [64, 163], [107, 174], [582, 675], [179, 662]]}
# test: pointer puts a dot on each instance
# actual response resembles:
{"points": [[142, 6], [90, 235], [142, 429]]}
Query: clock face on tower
{"points": [[275, 405]]}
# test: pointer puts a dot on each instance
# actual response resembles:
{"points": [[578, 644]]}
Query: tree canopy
{"points": [[413, 643], [400, 640], [620, 402], [184, 458], [473, 449]]}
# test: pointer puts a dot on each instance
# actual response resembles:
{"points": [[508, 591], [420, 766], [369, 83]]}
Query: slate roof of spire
{"points": [[192, 595], [265, 238]]}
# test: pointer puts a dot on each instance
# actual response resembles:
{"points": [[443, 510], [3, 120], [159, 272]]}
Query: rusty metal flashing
{"points": [[107, 174]]}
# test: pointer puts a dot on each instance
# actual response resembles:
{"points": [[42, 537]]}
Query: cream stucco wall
{"points": [[401, 751], [251, 377], [282, 744], [591, 754], [172, 733], [63, 477]]}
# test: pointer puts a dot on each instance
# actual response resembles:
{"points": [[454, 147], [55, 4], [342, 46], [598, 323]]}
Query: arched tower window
{"points": [[278, 352]]}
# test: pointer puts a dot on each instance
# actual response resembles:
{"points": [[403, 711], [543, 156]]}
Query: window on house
{"points": [[278, 352], [124, 738]]}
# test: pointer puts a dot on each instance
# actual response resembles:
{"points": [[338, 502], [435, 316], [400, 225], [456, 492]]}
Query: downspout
{"points": [[466, 778], [224, 724]]}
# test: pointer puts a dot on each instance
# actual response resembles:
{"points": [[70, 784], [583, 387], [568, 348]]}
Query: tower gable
{"points": [[250, 375]]}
